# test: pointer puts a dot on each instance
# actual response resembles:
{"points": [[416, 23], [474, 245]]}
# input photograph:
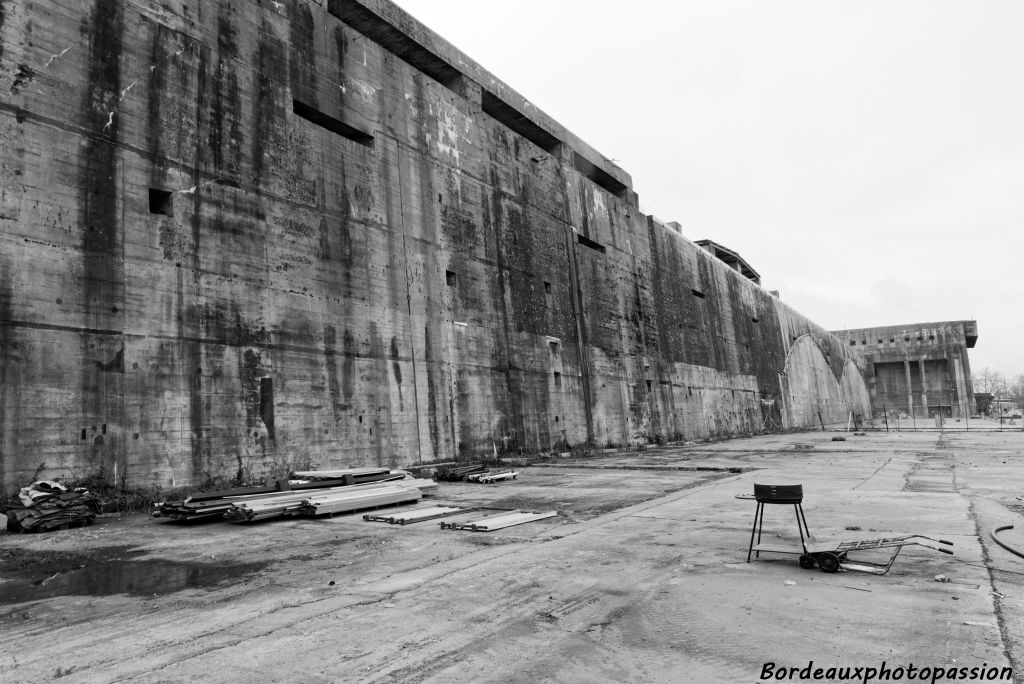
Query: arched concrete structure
{"points": [[813, 395]]}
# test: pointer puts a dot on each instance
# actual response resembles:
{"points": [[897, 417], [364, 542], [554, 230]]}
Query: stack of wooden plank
{"points": [[414, 516], [497, 522]]}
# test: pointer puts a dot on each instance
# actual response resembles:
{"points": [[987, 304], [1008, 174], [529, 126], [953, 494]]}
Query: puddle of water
{"points": [[139, 577]]}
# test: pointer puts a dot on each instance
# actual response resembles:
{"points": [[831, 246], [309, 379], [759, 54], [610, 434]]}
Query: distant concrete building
{"points": [[920, 369]]}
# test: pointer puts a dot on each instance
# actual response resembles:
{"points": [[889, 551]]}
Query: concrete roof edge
{"points": [[911, 326], [429, 39]]}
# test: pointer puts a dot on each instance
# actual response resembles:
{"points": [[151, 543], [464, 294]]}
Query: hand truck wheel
{"points": [[807, 561], [828, 562]]}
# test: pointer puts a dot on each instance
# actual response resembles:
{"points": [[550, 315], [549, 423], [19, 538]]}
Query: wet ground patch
{"points": [[32, 576]]}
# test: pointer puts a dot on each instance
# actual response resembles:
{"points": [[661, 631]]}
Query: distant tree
{"points": [[990, 385], [1015, 391], [982, 380], [1000, 387]]}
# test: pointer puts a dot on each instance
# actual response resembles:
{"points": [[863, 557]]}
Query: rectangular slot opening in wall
{"points": [[450, 278], [267, 406], [161, 202], [755, 319], [598, 175], [587, 242], [506, 114], [698, 294], [558, 379], [317, 117], [395, 41], [547, 287]]}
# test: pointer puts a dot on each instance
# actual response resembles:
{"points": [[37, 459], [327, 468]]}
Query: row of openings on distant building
{"points": [[892, 340]]}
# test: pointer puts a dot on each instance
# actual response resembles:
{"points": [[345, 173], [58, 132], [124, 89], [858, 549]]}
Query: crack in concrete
{"points": [[997, 603], [865, 481]]}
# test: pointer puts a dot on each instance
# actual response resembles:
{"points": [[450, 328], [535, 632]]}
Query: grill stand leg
{"points": [[753, 530]]}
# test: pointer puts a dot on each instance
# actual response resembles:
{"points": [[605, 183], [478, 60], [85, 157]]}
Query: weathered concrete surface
{"points": [[654, 590], [243, 237]]}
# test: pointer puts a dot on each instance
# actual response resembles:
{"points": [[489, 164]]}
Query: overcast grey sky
{"points": [[866, 157]]}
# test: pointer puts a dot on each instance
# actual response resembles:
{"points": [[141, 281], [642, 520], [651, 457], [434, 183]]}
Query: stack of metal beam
{"points": [[330, 501], [426, 487], [190, 510], [455, 474], [217, 504], [358, 499], [414, 516], [492, 477], [273, 506], [285, 497], [359, 475], [497, 522]]}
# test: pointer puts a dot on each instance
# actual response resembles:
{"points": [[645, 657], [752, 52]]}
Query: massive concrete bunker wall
{"points": [[243, 236]]}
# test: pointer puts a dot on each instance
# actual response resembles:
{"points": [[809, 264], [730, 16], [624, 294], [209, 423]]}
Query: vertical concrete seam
{"points": [[408, 305]]}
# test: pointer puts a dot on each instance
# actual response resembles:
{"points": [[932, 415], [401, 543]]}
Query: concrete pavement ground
{"points": [[641, 577]]}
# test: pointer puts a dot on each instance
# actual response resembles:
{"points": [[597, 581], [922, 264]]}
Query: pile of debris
{"points": [[311, 493], [48, 505]]}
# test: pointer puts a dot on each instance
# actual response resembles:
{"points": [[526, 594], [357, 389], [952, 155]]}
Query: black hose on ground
{"points": [[995, 538]]}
